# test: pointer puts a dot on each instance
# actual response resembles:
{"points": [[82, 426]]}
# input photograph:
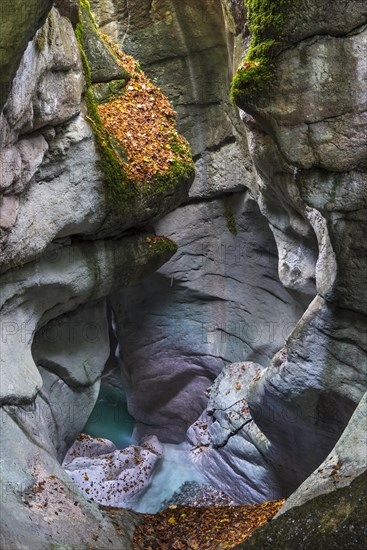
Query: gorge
{"points": [[209, 268]]}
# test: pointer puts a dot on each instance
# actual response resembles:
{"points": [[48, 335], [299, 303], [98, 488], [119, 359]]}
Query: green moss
{"points": [[51, 29], [159, 244], [119, 189], [182, 168], [231, 222], [265, 20], [41, 40], [108, 91], [47, 32]]}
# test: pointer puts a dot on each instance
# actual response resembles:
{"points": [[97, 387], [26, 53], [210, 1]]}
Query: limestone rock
{"points": [[58, 282], [204, 309], [110, 476], [40, 503], [69, 9], [346, 462], [70, 201], [226, 444], [19, 22], [318, 19], [49, 82], [101, 60], [307, 139], [8, 209]]}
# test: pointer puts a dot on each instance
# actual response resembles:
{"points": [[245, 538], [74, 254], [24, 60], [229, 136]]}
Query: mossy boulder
{"points": [[102, 63], [18, 23], [335, 520], [139, 199], [265, 20]]}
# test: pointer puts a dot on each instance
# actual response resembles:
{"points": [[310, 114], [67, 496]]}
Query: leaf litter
{"points": [[203, 528]]}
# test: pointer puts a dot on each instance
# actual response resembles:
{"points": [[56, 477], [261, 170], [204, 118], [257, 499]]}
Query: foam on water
{"points": [[172, 471]]}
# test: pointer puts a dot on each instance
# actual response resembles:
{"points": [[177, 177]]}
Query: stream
{"points": [[110, 419]]}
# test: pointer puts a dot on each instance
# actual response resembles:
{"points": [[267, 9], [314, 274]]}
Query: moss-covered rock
{"points": [[139, 199], [265, 21], [102, 62], [335, 520]]}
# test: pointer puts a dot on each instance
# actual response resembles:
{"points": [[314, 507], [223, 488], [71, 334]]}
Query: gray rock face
{"points": [[307, 138], [204, 309], [69, 9], [346, 462], [102, 63], [46, 93], [56, 270], [19, 21], [55, 284], [207, 308], [227, 445]]}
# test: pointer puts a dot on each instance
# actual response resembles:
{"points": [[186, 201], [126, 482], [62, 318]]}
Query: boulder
{"points": [[335, 520], [110, 476], [226, 444]]}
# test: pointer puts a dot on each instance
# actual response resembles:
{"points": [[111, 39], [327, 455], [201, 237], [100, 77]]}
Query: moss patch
{"points": [[160, 244], [231, 221], [265, 21], [105, 92], [41, 40]]}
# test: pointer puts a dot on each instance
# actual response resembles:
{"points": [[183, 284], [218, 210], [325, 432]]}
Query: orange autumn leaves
{"points": [[143, 122], [206, 528]]}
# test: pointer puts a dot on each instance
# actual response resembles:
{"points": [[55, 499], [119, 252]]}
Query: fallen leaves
{"points": [[205, 528], [143, 123]]}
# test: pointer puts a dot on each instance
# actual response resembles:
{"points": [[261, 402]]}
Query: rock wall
{"points": [[300, 153], [64, 247], [307, 135], [219, 300], [305, 398], [18, 23]]}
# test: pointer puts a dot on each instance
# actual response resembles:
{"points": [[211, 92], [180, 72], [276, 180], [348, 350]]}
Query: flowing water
{"points": [[110, 419]]}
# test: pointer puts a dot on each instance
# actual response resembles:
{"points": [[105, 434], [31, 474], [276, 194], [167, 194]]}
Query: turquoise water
{"points": [[110, 418]]}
